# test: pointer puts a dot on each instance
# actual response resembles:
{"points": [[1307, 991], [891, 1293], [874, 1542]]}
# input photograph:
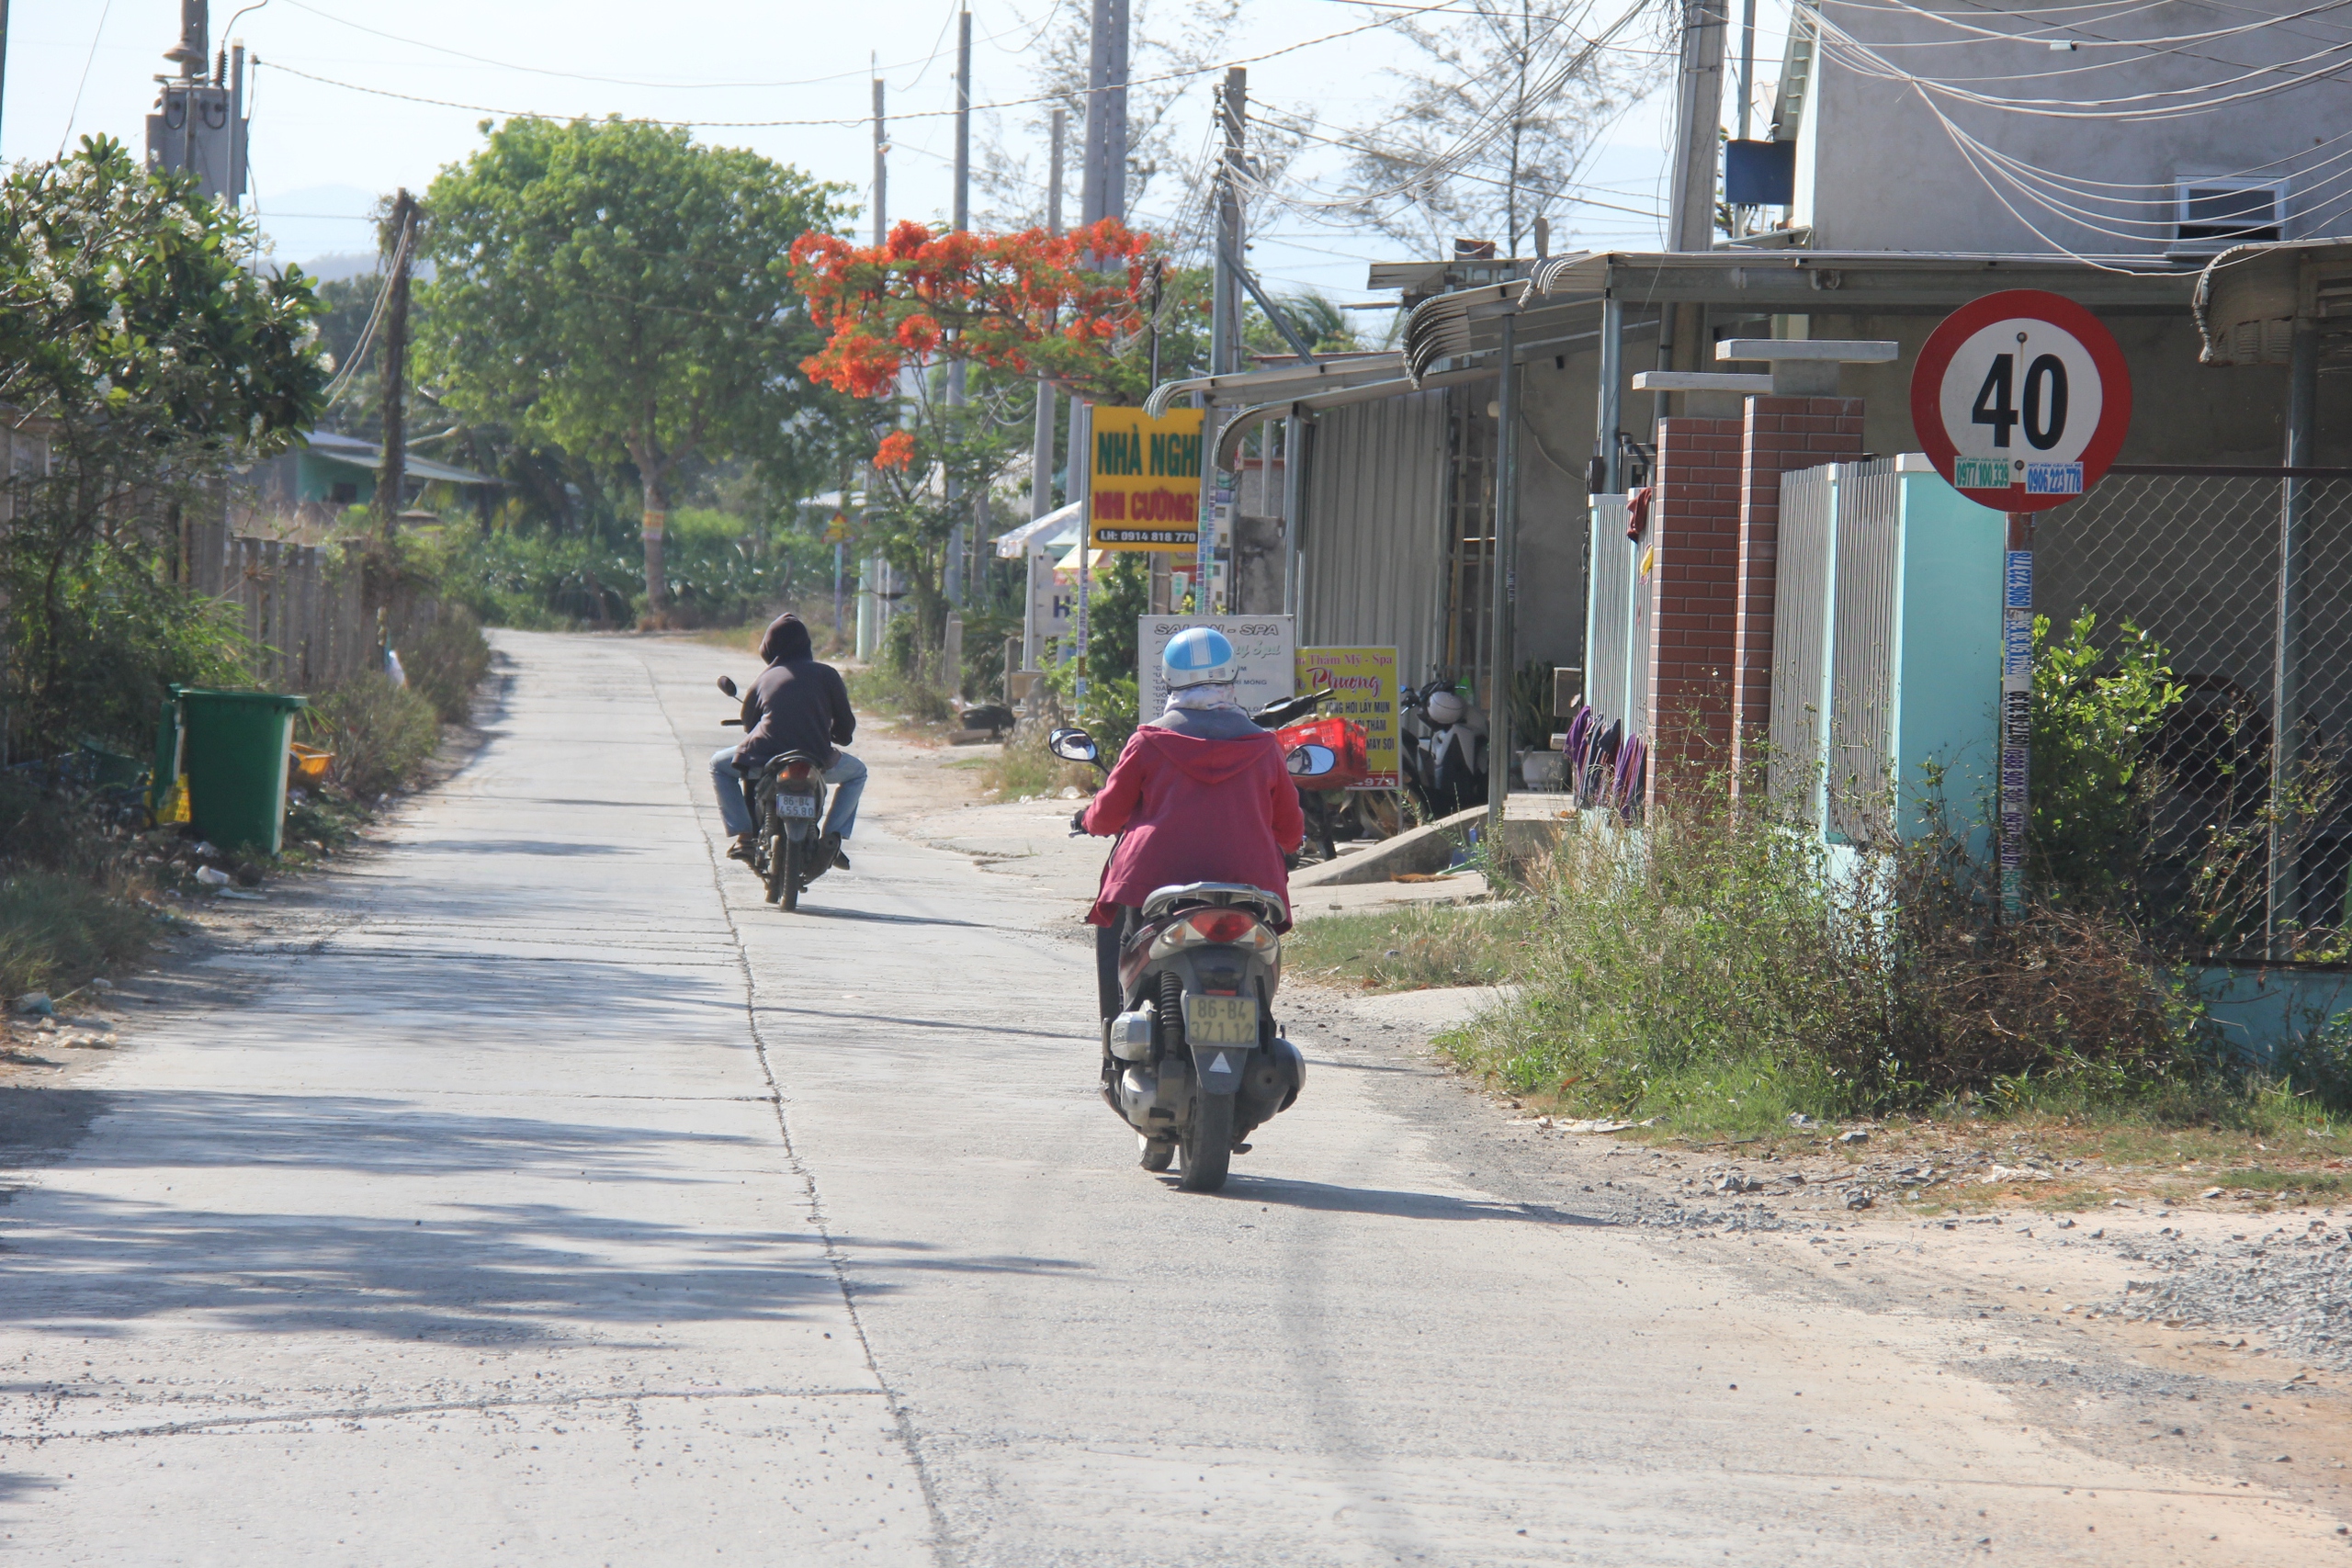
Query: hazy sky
{"points": [[332, 147]]}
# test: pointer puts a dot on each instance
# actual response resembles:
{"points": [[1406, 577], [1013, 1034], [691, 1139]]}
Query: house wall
{"points": [[1877, 171], [2181, 411]]}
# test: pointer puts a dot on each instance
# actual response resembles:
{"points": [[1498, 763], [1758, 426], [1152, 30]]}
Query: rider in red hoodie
{"points": [[1200, 795]]}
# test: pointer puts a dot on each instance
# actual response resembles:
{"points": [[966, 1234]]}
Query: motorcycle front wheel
{"points": [[1208, 1143]]}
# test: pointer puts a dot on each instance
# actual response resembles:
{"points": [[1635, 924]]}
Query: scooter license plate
{"points": [[1221, 1020], [796, 805]]}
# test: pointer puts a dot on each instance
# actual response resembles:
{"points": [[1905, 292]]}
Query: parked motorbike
{"points": [[789, 851], [1295, 725], [1444, 744], [1193, 1061]]}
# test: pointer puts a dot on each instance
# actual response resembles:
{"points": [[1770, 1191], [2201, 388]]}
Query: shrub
{"points": [[447, 662], [2096, 714], [1733, 970], [382, 734]]}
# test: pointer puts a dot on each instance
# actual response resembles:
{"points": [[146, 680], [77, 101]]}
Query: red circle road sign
{"points": [[2021, 400]]}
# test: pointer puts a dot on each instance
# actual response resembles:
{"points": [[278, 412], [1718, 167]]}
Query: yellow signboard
{"points": [[1144, 490], [1365, 679]]}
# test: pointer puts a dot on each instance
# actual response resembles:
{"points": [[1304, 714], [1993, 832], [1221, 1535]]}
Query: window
{"points": [[2215, 213], [346, 493]]}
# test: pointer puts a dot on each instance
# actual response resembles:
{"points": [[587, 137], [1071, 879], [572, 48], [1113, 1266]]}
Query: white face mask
{"points": [[1218, 695]]}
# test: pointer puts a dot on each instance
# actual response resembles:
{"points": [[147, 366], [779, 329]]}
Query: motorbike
{"points": [[1445, 748], [1194, 1061], [789, 850], [1295, 725]]}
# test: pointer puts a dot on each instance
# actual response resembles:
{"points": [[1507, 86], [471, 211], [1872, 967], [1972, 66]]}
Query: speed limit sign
{"points": [[2021, 400]]}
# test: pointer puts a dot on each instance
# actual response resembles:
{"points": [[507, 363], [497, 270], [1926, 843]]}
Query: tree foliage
{"points": [[1028, 304], [621, 291], [135, 343], [1489, 129]]}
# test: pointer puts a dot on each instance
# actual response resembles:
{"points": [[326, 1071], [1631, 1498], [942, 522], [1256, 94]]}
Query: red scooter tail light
{"points": [[1222, 925], [796, 770]]}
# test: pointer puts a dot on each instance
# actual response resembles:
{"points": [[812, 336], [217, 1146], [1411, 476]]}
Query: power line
{"points": [[848, 120]]}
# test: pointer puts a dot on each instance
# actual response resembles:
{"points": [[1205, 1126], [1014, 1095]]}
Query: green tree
{"points": [[625, 292], [136, 346]]}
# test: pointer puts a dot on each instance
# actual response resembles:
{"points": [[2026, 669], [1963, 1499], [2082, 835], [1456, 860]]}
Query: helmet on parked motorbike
{"points": [[1198, 656], [1446, 707]]}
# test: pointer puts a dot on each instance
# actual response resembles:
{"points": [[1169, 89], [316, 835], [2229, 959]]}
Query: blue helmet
{"points": [[1198, 656]]}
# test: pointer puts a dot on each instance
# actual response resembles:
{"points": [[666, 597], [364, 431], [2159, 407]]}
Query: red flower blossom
{"points": [[898, 449]]}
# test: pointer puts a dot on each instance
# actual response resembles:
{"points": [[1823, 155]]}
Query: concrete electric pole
{"points": [[392, 478], [1698, 125], [958, 563], [199, 124], [881, 170], [1102, 188], [1224, 325], [1041, 450]]}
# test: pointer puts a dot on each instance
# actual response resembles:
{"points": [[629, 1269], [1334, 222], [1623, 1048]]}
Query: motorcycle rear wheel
{"points": [[1208, 1143], [771, 862], [787, 857]]}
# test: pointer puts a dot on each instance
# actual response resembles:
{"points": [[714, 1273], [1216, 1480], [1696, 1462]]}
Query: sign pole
{"points": [[2017, 712], [2022, 399], [1082, 439]]}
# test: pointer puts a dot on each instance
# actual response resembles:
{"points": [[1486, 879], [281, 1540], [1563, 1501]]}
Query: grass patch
{"points": [[1025, 768], [1412, 948], [382, 735], [2316, 1184], [56, 930], [882, 690]]}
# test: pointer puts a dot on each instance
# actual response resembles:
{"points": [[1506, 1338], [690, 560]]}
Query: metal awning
{"points": [[1281, 384], [2248, 298], [1043, 530]]}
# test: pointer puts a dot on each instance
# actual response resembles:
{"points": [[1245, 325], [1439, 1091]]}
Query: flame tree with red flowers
{"points": [[1016, 310]]}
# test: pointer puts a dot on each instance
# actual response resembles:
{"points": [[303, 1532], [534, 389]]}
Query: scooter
{"points": [[1445, 748], [788, 851], [1193, 1061], [1295, 725]]}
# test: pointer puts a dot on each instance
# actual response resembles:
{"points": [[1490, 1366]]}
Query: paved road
{"points": [[566, 1205]]}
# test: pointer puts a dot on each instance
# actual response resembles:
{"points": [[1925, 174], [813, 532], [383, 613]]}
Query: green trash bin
{"points": [[233, 750]]}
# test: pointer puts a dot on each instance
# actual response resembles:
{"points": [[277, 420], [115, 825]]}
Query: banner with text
{"points": [[1262, 647], [1365, 679], [1144, 491]]}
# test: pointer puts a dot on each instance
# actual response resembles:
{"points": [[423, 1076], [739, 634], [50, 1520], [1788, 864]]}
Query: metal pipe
{"points": [[1503, 568], [1293, 489], [2283, 912], [1612, 390]]}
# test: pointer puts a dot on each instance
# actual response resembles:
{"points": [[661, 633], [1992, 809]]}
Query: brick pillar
{"points": [[1779, 435], [1693, 545]]}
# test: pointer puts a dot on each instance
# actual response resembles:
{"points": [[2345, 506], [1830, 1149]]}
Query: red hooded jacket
{"points": [[1194, 810]]}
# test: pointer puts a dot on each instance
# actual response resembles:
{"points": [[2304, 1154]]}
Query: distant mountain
{"points": [[332, 223]]}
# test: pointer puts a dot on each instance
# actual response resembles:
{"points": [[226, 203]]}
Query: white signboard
{"points": [[1052, 605], [1263, 646]]}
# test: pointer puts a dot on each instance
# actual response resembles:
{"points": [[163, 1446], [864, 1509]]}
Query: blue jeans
{"points": [[847, 776]]}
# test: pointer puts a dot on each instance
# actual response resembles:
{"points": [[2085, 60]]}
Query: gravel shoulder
{"points": [[2221, 1342]]}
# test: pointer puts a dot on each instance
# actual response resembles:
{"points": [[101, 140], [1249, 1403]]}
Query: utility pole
{"points": [[392, 478], [4, 53], [956, 565], [1103, 191], [1041, 447], [1225, 318], [1698, 117], [881, 170]]}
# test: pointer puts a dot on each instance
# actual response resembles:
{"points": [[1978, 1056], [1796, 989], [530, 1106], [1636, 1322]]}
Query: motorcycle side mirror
{"points": [[1073, 745], [1313, 762], [727, 684]]}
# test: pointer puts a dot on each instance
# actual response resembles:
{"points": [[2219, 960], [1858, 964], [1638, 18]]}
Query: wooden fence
{"points": [[305, 608]]}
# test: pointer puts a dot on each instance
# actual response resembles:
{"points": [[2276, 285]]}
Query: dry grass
{"points": [[1411, 948]]}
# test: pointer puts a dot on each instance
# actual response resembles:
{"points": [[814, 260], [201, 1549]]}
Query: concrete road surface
{"points": [[565, 1204]]}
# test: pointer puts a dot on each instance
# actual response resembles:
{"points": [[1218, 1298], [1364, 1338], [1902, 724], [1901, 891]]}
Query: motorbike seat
{"points": [[775, 766], [1191, 895]]}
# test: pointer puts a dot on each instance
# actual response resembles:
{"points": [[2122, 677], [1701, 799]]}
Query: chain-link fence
{"points": [[2244, 580]]}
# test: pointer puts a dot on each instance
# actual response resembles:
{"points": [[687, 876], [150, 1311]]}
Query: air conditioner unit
{"points": [[2211, 214]]}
